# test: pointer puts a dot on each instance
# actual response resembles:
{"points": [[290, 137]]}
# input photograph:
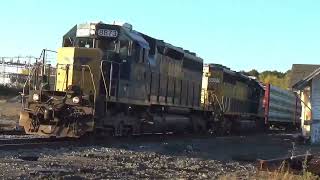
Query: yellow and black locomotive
{"points": [[111, 79]]}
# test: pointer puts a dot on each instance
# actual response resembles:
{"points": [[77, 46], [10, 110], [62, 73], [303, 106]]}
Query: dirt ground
{"points": [[166, 158], [9, 112], [10, 108]]}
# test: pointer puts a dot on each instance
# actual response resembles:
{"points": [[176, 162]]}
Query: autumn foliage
{"points": [[275, 78]]}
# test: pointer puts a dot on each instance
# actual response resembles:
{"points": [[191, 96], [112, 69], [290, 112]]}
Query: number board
{"points": [[214, 80], [110, 33]]}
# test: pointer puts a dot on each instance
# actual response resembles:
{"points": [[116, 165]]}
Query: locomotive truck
{"points": [[113, 80]]}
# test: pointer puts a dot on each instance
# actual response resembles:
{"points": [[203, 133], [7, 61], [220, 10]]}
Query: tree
{"points": [[275, 78], [254, 73]]}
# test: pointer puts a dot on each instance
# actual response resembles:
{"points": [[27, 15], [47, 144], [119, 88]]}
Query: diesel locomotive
{"points": [[235, 99], [113, 80]]}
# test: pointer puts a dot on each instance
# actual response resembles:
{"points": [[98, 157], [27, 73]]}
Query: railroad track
{"points": [[12, 132], [25, 142], [22, 141], [30, 143]]}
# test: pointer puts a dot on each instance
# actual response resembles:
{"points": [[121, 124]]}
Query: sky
{"points": [[240, 34]]}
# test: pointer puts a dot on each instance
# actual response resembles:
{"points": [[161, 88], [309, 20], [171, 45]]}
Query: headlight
{"points": [[76, 100], [36, 97], [93, 26], [92, 32]]}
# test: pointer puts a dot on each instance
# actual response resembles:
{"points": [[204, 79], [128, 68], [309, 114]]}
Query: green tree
{"points": [[254, 73]]}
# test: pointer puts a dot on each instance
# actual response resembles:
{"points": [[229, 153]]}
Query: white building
{"points": [[309, 89]]}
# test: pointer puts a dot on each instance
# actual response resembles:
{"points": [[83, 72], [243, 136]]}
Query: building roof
{"points": [[305, 81], [301, 71]]}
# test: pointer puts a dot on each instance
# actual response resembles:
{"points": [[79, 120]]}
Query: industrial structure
{"points": [[14, 70], [309, 91]]}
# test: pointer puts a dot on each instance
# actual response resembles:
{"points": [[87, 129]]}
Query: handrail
{"points": [[104, 79], [24, 86], [207, 94], [94, 87], [218, 102], [108, 91], [57, 67], [82, 65]]}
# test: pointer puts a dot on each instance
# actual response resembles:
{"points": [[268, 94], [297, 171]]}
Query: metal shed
{"points": [[309, 90]]}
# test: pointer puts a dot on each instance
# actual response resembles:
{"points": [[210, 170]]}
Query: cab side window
{"points": [[124, 49], [143, 55], [138, 53], [67, 42]]}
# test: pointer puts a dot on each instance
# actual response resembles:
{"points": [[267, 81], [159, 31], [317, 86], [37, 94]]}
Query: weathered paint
{"points": [[75, 57], [315, 101], [281, 105]]}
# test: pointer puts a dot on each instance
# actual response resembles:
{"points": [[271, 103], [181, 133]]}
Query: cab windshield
{"points": [[84, 42], [107, 45], [87, 42], [104, 45]]}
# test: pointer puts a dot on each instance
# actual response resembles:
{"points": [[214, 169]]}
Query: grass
{"points": [[282, 173], [276, 175]]}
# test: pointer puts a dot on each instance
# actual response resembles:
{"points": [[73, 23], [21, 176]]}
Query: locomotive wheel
{"points": [[212, 128], [136, 128], [119, 129], [224, 127], [128, 131], [198, 125]]}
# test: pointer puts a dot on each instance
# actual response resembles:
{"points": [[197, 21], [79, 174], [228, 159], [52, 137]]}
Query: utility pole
{"points": [[43, 66]]}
